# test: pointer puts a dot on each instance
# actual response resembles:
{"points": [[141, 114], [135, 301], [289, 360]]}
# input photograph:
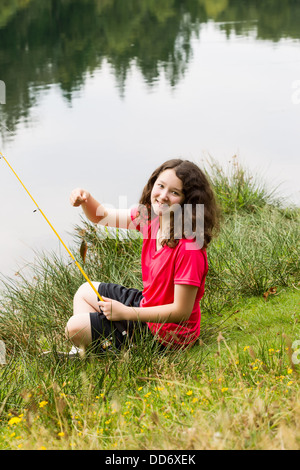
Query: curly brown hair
{"points": [[197, 191]]}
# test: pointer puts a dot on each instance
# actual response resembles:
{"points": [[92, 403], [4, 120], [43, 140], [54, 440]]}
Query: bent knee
{"points": [[85, 290], [81, 291], [78, 329], [69, 329]]}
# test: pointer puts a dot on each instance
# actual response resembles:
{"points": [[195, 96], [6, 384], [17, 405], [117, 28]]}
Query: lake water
{"points": [[99, 93]]}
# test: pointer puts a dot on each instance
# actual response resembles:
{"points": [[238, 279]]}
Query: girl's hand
{"points": [[113, 310], [79, 196]]}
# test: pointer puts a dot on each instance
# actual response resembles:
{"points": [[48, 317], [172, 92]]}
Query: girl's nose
{"points": [[164, 195]]}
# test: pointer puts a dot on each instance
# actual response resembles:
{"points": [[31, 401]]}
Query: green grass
{"points": [[238, 190], [238, 388], [253, 253]]}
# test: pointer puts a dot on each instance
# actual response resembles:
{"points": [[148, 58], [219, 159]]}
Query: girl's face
{"points": [[167, 191]]}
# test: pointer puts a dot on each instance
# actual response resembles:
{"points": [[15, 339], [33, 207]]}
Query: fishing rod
{"points": [[49, 223], [118, 325]]}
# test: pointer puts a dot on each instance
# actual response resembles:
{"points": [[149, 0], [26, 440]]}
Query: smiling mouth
{"points": [[161, 204], [161, 208]]}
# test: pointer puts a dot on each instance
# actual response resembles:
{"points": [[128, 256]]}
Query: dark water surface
{"points": [[97, 93]]}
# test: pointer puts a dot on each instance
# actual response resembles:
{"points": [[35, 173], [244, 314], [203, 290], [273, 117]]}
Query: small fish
{"points": [[83, 250]]}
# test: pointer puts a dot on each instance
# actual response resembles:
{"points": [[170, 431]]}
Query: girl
{"points": [[174, 262]]}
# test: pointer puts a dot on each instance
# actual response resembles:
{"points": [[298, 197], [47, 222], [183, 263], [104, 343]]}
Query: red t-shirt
{"points": [[164, 268]]}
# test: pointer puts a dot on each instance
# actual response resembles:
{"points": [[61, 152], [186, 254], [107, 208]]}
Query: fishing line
{"points": [[49, 223], [118, 325]]}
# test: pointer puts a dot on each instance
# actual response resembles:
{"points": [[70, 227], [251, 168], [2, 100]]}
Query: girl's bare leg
{"points": [[85, 300], [78, 328]]}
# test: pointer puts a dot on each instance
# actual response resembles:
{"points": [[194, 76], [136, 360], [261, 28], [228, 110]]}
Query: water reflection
{"points": [[58, 42], [99, 93]]}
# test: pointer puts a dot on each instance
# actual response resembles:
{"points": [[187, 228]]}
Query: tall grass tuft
{"points": [[238, 190], [253, 253]]}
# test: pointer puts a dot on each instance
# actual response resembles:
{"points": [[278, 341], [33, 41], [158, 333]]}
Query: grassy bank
{"points": [[238, 388]]}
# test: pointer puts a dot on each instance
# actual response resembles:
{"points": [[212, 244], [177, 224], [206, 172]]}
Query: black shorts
{"points": [[109, 334]]}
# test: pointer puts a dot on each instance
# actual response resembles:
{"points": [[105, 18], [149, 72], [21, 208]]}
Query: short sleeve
{"points": [[190, 265], [139, 219], [134, 215]]}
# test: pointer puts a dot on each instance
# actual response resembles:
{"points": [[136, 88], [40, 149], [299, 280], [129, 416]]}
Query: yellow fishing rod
{"points": [[49, 223]]}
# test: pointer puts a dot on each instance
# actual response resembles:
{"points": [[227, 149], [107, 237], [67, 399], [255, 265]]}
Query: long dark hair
{"points": [[197, 190]]}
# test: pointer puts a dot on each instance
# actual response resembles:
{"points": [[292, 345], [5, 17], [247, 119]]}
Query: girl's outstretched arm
{"points": [[97, 213], [178, 311]]}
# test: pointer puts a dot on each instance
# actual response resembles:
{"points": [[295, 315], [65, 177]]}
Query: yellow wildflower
{"points": [[43, 403], [14, 420]]}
